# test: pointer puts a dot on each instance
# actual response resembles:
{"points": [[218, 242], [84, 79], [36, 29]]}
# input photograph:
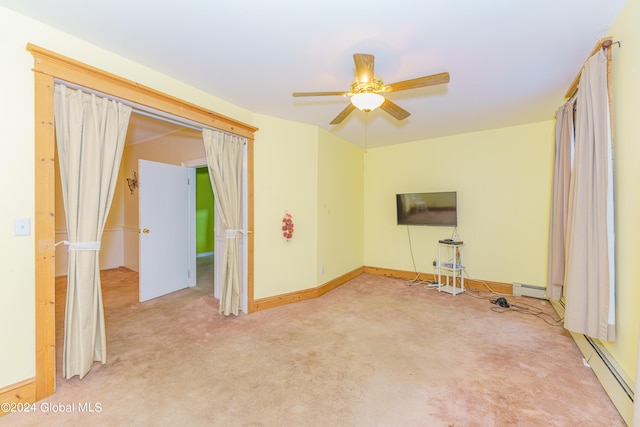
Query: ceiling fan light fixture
{"points": [[366, 89], [367, 101]]}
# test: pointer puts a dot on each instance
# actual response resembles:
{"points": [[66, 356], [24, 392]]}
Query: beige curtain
{"points": [[224, 158], [559, 200], [589, 276], [90, 134]]}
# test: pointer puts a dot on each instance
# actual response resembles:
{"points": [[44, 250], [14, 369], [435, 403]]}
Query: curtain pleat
{"points": [[90, 133], [559, 200], [589, 276], [224, 158]]}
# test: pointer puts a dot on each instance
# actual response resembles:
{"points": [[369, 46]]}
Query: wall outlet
{"points": [[435, 263]]}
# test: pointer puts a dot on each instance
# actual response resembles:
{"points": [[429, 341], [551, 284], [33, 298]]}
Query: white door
{"points": [[164, 228]]}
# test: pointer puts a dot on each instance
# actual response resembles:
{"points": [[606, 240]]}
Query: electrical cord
{"points": [[416, 280], [468, 292], [521, 308], [464, 270], [432, 284], [469, 279], [524, 308]]}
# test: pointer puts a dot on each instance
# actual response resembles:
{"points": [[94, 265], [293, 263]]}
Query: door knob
{"points": [[145, 231]]}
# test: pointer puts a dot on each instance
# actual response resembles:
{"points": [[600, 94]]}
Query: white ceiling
{"points": [[510, 61]]}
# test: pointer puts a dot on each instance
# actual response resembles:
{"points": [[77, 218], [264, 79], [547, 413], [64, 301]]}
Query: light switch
{"points": [[21, 227]]}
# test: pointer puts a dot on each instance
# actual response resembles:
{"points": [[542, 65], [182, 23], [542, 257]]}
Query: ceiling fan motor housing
{"points": [[372, 86]]}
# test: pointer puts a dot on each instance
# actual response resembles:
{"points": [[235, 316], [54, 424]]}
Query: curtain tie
{"points": [[80, 246], [233, 233]]}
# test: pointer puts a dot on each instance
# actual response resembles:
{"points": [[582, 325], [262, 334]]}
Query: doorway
{"points": [[205, 229], [50, 67], [166, 149], [246, 239], [180, 145]]}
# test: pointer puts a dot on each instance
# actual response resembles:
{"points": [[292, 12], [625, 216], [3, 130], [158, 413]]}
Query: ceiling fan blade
{"points": [[395, 110], [343, 114], [435, 79], [296, 94], [364, 67]]}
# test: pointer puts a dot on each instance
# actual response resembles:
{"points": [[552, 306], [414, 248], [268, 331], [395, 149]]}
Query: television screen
{"points": [[427, 208]]}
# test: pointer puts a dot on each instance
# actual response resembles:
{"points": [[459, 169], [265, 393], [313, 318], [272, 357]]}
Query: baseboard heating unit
{"points": [[615, 382], [522, 290]]}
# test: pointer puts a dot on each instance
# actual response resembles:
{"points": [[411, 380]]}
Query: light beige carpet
{"points": [[374, 352]]}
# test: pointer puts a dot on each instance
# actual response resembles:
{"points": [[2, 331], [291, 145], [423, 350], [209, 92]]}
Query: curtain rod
{"points": [[139, 109], [148, 111], [604, 43], [166, 119]]}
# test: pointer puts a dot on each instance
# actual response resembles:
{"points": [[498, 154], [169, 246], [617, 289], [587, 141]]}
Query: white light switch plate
{"points": [[21, 227]]}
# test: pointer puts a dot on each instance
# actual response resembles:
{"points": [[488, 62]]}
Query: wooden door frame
{"points": [[48, 67]]}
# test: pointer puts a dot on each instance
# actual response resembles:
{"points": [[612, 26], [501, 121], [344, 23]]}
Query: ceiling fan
{"points": [[366, 91]]}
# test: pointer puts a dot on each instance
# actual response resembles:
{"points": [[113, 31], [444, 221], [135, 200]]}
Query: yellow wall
{"points": [[340, 207], [502, 178], [17, 311], [626, 128], [286, 181], [317, 178]]}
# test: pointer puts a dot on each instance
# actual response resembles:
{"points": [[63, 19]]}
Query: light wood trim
{"points": [[44, 236], [339, 281], [488, 286], [475, 284], [67, 69], [22, 392], [250, 225], [398, 274], [306, 294], [573, 87], [284, 299], [48, 67]]}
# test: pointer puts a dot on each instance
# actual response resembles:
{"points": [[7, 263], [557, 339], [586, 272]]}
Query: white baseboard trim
{"points": [[204, 254], [615, 382]]}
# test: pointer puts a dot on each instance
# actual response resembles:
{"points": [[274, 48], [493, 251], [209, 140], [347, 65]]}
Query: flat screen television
{"points": [[438, 209]]}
